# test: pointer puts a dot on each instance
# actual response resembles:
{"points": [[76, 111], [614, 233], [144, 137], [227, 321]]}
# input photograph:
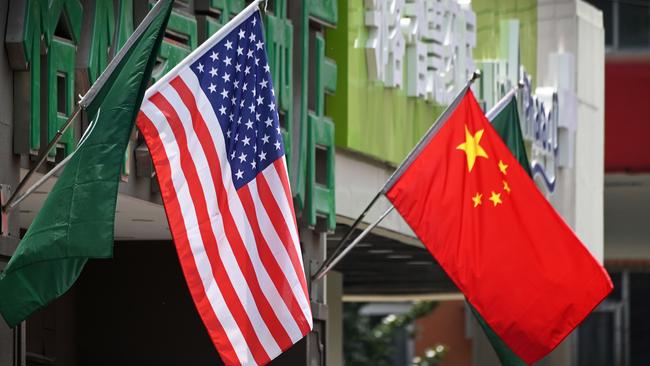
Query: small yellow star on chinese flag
{"points": [[503, 167], [495, 198], [472, 148], [477, 199], [506, 187]]}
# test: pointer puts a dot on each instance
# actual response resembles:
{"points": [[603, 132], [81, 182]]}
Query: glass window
{"points": [[617, 292], [626, 22], [596, 346], [634, 24]]}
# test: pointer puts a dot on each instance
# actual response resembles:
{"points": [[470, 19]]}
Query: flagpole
{"points": [[340, 251], [430, 133], [41, 159], [502, 103], [327, 264], [354, 243], [11, 204]]}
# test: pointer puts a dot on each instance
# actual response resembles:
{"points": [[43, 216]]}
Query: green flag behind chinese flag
{"points": [[506, 124], [78, 216]]}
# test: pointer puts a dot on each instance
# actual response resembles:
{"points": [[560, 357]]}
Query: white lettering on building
{"points": [[434, 38], [547, 114]]}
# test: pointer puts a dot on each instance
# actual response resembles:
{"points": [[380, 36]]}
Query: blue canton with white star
{"points": [[235, 76]]}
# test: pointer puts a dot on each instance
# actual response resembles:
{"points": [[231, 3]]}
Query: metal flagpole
{"points": [[326, 266], [502, 103], [341, 250], [11, 204], [41, 159], [335, 259]]}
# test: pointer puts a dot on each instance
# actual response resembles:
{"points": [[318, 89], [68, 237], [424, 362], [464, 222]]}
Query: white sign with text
{"points": [[433, 40]]}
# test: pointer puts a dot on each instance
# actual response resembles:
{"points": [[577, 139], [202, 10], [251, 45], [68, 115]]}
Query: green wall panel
{"points": [[71, 10], [171, 51], [377, 121], [60, 64], [66, 15], [279, 47], [320, 135], [103, 30], [324, 10], [35, 25]]}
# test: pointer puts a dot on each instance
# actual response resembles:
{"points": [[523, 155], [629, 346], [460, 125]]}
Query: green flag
{"points": [[506, 122], [78, 216]]}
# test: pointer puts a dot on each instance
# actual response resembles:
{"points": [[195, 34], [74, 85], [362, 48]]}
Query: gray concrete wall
{"points": [[9, 168], [576, 28]]}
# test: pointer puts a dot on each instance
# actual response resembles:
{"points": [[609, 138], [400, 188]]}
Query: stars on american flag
{"points": [[235, 77]]}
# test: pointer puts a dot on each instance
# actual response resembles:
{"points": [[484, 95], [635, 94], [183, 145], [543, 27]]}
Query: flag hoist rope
{"points": [[341, 249]]}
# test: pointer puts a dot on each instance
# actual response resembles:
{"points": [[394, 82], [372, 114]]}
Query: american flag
{"points": [[212, 128]]}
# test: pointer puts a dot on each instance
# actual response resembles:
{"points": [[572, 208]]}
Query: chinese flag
{"points": [[484, 220]]}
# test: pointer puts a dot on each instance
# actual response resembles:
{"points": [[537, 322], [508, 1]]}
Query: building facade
{"points": [[357, 83]]}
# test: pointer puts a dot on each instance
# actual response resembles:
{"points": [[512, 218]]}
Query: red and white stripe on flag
{"points": [[212, 128]]}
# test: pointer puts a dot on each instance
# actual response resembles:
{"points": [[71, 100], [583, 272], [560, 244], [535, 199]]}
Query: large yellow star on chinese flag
{"points": [[472, 148]]}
